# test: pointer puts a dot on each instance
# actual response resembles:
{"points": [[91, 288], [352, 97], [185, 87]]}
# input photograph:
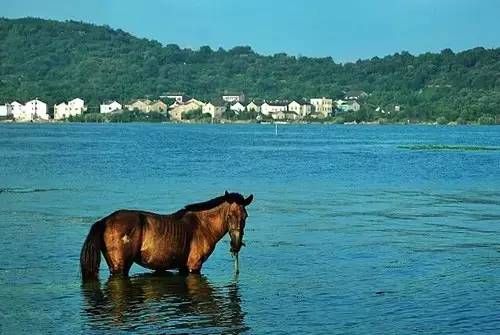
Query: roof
{"points": [[145, 101], [218, 102], [301, 102], [355, 93], [277, 103], [256, 102], [157, 102]]}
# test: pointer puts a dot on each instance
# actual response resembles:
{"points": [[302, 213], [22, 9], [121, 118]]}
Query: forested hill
{"points": [[60, 60]]}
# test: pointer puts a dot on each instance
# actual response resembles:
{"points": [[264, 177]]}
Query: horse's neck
{"points": [[213, 222]]}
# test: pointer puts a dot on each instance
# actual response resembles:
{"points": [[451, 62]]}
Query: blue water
{"points": [[349, 232]]}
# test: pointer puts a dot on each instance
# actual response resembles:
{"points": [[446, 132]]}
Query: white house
{"points": [[36, 109], [110, 106], [233, 97], [5, 110], [61, 111], [77, 106], [254, 106], [268, 108], [324, 106], [17, 110], [237, 107], [72, 108], [349, 106], [214, 109], [300, 108]]}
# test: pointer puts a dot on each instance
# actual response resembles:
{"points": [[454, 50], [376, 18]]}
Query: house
{"points": [[323, 106], [237, 107], [36, 109], [278, 115], [349, 106], [158, 106], [254, 106], [5, 110], [177, 110], [234, 97], [61, 111], [110, 106], [268, 108], [146, 105], [300, 108], [215, 109], [72, 108], [196, 101], [77, 106], [178, 97], [355, 95], [142, 105], [315, 115], [291, 115], [17, 110]]}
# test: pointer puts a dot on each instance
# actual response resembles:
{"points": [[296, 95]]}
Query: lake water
{"points": [[353, 230]]}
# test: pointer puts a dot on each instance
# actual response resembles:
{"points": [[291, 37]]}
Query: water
{"points": [[354, 229]]}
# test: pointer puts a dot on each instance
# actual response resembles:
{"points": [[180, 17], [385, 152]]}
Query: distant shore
{"points": [[240, 122]]}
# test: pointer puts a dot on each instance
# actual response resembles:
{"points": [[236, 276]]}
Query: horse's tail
{"points": [[90, 256]]}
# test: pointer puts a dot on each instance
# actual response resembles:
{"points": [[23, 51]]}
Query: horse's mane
{"points": [[207, 205]]}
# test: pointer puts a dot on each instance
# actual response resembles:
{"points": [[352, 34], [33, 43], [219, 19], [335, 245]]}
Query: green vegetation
{"points": [[57, 61], [198, 116]]}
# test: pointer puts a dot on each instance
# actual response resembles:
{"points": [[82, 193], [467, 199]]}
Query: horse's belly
{"points": [[161, 259]]}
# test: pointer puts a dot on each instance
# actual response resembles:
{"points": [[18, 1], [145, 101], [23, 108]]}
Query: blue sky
{"points": [[345, 30]]}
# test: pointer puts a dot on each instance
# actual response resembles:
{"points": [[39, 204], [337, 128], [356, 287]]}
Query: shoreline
{"points": [[251, 122]]}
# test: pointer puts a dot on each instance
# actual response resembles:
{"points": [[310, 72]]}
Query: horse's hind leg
{"points": [[121, 250], [118, 262]]}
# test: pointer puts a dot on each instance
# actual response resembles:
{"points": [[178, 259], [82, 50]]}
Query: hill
{"points": [[60, 60]]}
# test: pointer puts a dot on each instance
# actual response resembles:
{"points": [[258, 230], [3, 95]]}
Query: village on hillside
{"points": [[178, 107]]}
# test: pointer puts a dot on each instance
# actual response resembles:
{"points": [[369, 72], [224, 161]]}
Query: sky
{"points": [[345, 30]]}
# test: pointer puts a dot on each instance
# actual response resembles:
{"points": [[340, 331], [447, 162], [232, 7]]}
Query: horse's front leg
{"points": [[194, 263]]}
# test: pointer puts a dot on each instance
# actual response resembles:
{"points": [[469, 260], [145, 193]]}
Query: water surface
{"points": [[351, 231]]}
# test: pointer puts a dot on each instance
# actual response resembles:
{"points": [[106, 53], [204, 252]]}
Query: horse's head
{"points": [[236, 217]]}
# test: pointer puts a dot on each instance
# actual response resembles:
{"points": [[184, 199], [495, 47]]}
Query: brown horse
{"points": [[182, 240]]}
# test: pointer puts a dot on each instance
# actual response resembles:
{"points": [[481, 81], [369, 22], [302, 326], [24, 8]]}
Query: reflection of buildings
{"points": [[166, 303]]}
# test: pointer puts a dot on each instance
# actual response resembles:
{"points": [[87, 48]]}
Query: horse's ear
{"points": [[226, 193], [248, 200]]}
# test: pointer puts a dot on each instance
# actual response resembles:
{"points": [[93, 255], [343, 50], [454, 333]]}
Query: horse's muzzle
{"points": [[235, 248]]}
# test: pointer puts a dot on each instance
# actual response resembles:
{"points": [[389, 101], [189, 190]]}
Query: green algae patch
{"points": [[444, 147]]}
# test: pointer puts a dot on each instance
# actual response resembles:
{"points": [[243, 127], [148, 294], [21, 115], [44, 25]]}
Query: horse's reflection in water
{"points": [[164, 303]]}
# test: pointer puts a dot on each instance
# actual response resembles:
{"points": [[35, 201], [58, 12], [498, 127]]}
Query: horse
{"points": [[183, 240]]}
